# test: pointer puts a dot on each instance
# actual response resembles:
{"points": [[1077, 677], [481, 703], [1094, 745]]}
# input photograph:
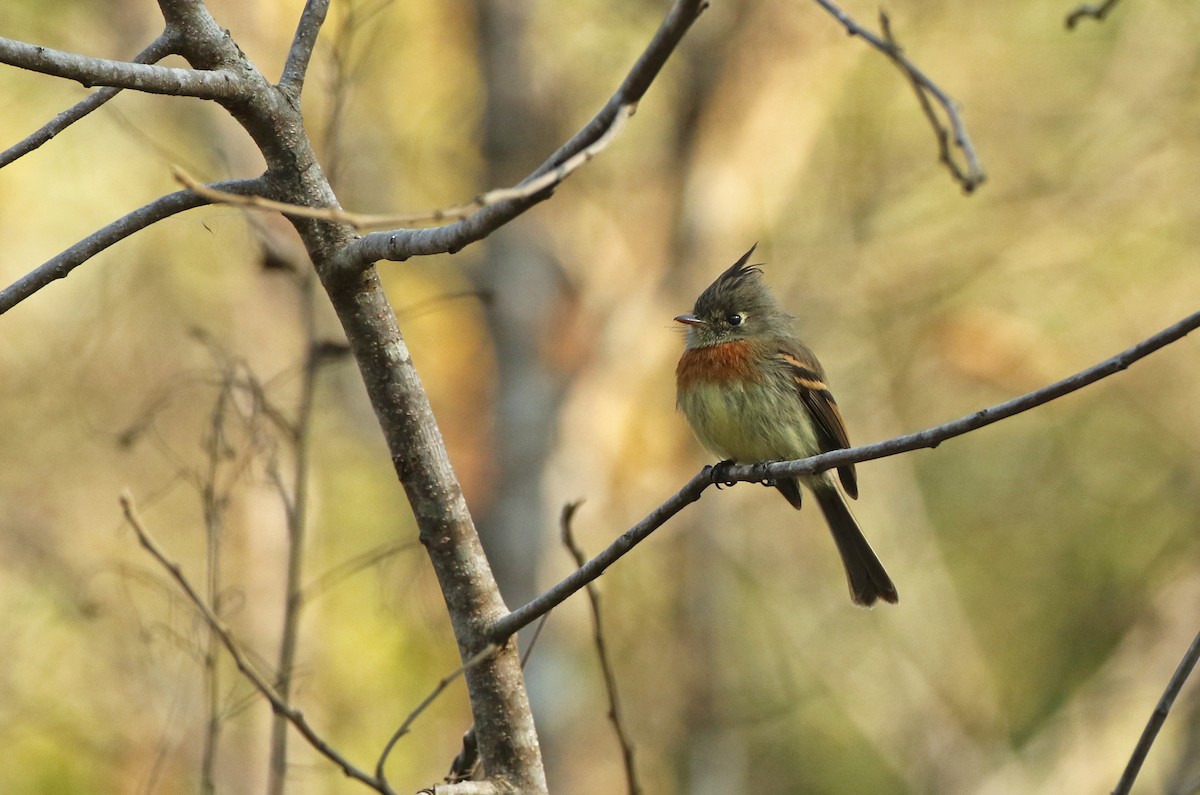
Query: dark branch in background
{"points": [[1158, 718], [928, 438], [399, 245], [1097, 12], [198, 83], [93, 244], [158, 49], [970, 175], [610, 678], [307, 30], [294, 716]]}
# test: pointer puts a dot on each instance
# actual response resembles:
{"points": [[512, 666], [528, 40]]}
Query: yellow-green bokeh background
{"points": [[1048, 567]]}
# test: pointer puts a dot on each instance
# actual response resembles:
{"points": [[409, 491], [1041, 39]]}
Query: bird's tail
{"points": [[869, 582]]}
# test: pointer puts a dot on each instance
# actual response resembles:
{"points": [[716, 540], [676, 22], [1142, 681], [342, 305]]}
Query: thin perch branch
{"points": [[971, 175], [929, 438], [1158, 718], [260, 683]]}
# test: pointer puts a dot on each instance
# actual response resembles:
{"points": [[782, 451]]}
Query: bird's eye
{"points": [[735, 319]]}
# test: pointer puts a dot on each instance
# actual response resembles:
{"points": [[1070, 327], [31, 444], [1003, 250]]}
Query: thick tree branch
{"points": [[507, 737], [1158, 718], [399, 245], [90, 246], [158, 49], [929, 438], [89, 71], [971, 175], [309, 27]]}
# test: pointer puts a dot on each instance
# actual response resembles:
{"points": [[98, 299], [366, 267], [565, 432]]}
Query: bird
{"points": [[753, 392]]}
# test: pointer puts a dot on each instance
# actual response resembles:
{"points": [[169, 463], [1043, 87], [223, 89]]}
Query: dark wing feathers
{"points": [[815, 394]]}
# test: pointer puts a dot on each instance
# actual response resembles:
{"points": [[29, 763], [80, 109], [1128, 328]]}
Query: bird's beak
{"points": [[689, 320]]}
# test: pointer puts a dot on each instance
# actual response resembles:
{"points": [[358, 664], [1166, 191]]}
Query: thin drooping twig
{"points": [[260, 683], [483, 654], [158, 49], [928, 438], [1088, 11], [401, 244], [525, 190], [93, 244], [970, 175], [303, 43], [172, 80], [1158, 718], [632, 786]]}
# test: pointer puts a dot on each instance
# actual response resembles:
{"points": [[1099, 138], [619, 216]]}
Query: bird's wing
{"points": [[809, 378]]}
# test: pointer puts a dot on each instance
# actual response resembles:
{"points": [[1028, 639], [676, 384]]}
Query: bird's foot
{"points": [[719, 473]]}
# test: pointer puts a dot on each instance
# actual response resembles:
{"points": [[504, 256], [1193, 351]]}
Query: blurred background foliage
{"points": [[1048, 565]]}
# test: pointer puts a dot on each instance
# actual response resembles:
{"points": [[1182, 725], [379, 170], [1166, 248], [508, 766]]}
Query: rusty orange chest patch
{"points": [[730, 361]]}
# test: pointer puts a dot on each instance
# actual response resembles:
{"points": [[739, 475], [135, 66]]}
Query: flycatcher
{"points": [[753, 392]]}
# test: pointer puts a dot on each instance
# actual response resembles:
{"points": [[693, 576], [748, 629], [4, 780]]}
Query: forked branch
{"points": [[951, 134], [399, 245]]}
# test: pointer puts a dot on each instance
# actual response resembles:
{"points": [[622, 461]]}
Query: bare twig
{"points": [[300, 53], [970, 175], [159, 48], [928, 438], [1088, 11], [76, 255], [260, 683], [610, 678], [483, 654], [199, 83], [546, 182], [1158, 718]]}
